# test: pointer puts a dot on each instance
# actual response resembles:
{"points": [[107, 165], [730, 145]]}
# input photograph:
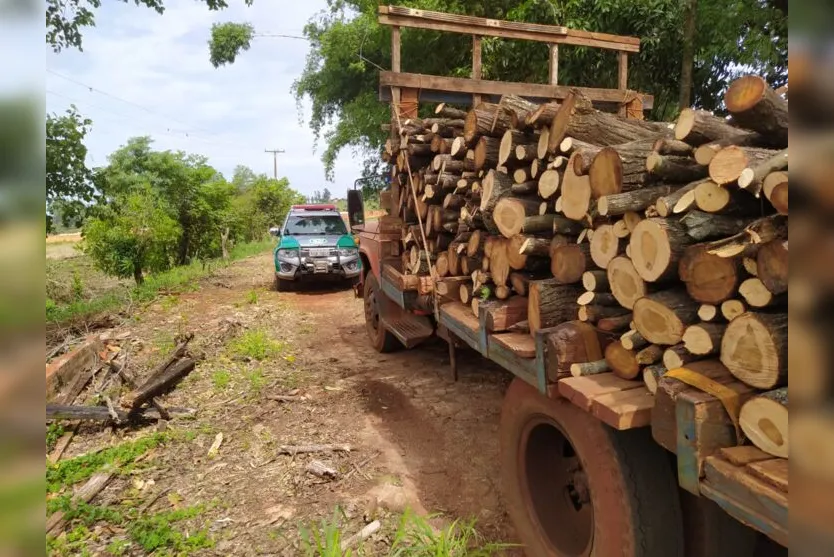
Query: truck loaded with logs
{"points": [[631, 274]]}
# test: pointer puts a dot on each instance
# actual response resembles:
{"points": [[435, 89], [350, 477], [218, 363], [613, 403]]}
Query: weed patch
{"points": [[252, 297], [256, 379], [221, 379], [54, 431], [255, 345]]}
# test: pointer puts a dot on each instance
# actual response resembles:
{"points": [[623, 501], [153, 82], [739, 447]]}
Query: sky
{"points": [[142, 73]]}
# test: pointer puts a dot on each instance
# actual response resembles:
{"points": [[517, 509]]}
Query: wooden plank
{"points": [[520, 344], [524, 368], [459, 320], [476, 65], [622, 70], [553, 71], [743, 454], [773, 472], [498, 88], [583, 390], [395, 49], [624, 409], [85, 493], [456, 23], [748, 499]]}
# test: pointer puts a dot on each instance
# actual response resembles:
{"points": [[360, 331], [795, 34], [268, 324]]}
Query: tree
{"points": [[732, 37], [227, 40], [66, 19], [68, 180], [326, 196], [133, 236], [243, 177]]}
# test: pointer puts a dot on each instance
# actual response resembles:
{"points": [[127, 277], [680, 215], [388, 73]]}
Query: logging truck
{"points": [[531, 229]]}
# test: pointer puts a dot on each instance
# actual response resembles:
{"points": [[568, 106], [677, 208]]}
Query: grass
{"points": [[255, 344], [103, 294], [256, 379], [221, 379], [252, 297]]}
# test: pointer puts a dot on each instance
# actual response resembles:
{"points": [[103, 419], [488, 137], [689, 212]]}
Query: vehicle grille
{"points": [[308, 252]]}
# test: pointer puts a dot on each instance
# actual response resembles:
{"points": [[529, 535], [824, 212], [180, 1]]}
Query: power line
{"points": [[118, 98], [283, 36]]}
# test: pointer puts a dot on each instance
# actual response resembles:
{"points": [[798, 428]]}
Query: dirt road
{"points": [[419, 440]]}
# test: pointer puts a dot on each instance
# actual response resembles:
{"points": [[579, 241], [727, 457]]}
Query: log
{"points": [[595, 281], [651, 376], [104, 414], [772, 265], [708, 312], [678, 356], [760, 231], [522, 175], [702, 226], [633, 340], [632, 219], [500, 316], [526, 153], [620, 168], [550, 224], [447, 164], [650, 354], [321, 470], [571, 343], [662, 317], [157, 384], [605, 246], [636, 200], [614, 323], [752, 178], [594, 314], [520, 106], [454, 201], [450, 286], [519, 281], [441, 265], [626, 285], [620, 229], [756, 106], [458, 150], [585, 369], [475, 245], [669, 146], [446, 111], [419, 149], [441, 145], [666, 204], [712, 198], [543, 144], [526, 188], [581, 154], [548, 183], [731, 309], [675, 169], [621, 361], [703, 339], [486, 152], [728, 163], [466, 293], [596, 298], [543, 115], [709, 279], [293, 450], [704, 153], [755, 349], [496, 186], [764, 420], [447, 127], [487, 119], [775, 189], [84, 494], [657, 246], [510, 213], [576, 195], [697, 127], [550, 302], [506, 146], [568, 260], [756, 294]]}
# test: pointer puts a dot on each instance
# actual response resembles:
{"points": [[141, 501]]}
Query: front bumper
{"points": [[293, 268]]}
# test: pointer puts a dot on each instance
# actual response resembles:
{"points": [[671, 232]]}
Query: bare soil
{"points": [[419, 439]]}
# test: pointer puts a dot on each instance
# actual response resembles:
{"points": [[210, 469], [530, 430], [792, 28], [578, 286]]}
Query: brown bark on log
{"points": [[500, 316], [454, 201], [570, 343], [637, 200], [595, 281], [702, 226], [157, 384], [756, 106], [657, 246], [709, 279], [419, 150], [626, 285], [550, 302], [510, 212], [543, 115], [520, 106], [550, 224], [666, 204], [755, 349], [487, 119], [633, 340], [441, 145], [728, 163], [620, 168], [697, 127], [615, 324], [704, 153], [675, 169], [760, 231], [662, 317], [447, 164], [772, 266], [526, 153], [703, 339], [752, 178], [526, 188], [594, 314], [669, 146], [495, 186], [449, 112], [568, 260], [486, 152]]}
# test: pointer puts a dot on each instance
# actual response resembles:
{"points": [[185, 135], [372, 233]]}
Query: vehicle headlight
{"points": [[288, 253], [347, 252]]}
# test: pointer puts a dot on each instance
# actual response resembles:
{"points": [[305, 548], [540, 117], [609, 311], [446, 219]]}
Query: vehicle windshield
{"points": [[301, 225]]}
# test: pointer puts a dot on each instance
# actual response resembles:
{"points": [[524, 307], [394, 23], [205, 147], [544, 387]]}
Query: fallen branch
{"points": [[288, 398], [102, 413], [322, 470], [85, 493], [304, 449], [157, 384], [131, 382], [363, 534]]}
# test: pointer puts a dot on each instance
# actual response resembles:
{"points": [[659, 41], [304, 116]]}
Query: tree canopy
{"points": [[732, 37], [68, 180], [66, 19]]}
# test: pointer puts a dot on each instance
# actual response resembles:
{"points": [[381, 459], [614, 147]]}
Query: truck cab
{"points": [[314, 243]]}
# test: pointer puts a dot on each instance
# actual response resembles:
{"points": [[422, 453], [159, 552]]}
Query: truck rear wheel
{"points": [[577, 488], [381, 339]]}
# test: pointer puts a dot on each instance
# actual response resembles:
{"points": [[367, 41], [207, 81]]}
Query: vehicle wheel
{"points": [[282, 285], [710, 532], [381, 339], [577, 488]]}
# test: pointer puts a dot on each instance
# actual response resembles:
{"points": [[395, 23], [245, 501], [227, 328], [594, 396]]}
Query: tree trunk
{"points": [[137, 274], [662, 317], [688, 53], [550, 302], [709, 279], [626, 285], [755, 349], [756, 106], [764, 420], [637, 200], [520, 106], [224, 242], [669, 146]]}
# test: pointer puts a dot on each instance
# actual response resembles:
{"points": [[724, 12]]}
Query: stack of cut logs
{"points": [[668, 240]]}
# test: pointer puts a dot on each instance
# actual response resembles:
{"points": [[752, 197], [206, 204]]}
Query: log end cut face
{"points": [[765, 423], [626, 285], [657, 323], [744, 93], [683, 126], [750, 352], [651, 251]]}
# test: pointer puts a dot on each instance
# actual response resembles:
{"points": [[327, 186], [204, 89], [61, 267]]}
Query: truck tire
{"points": [[710, 532], [381, 339], [576, 487], [282, 285]]}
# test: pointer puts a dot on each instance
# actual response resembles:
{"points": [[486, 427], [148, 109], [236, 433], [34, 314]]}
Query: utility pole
{"points": [[275, 153]]}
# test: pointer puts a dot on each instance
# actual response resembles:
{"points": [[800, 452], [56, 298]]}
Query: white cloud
{"points": [[230, 114]]}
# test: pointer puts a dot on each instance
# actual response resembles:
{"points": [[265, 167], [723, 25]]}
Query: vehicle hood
{"points": [[329, 241]]}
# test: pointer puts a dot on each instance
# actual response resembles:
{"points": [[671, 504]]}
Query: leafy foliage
{"points": [[68, 180], [255, 345], [227, 40], [243, 178], [66, 19]]}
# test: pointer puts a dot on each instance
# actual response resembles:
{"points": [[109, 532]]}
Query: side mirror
{"points": [[355, 208]]}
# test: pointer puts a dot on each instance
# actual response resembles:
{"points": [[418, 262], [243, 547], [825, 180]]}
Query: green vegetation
{"points": [[68, 180], [255, 344], [256, 379], [54, 431], [221, 379], [252, 297]]}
